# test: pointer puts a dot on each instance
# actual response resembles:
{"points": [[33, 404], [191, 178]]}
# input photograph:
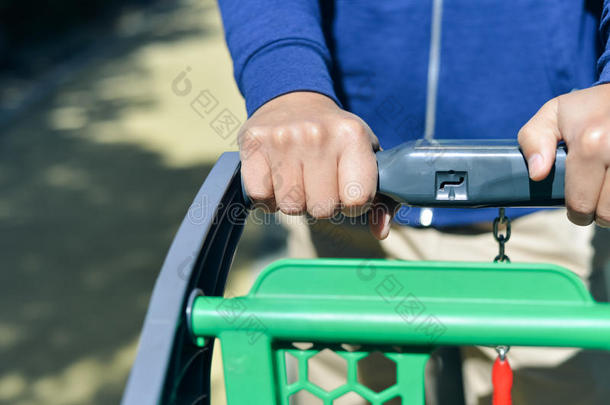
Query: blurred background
{"points": [[101, 154]]}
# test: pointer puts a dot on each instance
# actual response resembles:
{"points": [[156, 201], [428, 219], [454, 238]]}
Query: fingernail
{"points": [[386, 225], [535, 163]]}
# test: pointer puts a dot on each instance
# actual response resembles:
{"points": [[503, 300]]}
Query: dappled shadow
{"points": [[35, 73], [86, 217], [85, 228]]}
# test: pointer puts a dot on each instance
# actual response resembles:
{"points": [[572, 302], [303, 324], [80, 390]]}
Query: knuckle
{"points": [[593, 141], [553, 104], [280, 136], [580, 207], [248, 137], [292, 202], [525, 134], [322, 209], [357, 201], [248, 144], [353, 128], [249, 140], [259, 195], [313, 134], [253, 133], [291, 208]]}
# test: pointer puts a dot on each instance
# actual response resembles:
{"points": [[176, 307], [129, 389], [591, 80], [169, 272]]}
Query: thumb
{"points": [[380, 216], [538, 140]]}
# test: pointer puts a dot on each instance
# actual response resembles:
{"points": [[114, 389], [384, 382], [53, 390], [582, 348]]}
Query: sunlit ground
{"points": [[94, 181]]}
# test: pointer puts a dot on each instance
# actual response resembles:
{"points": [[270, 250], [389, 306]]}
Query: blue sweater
{"points": [[422, 68]]}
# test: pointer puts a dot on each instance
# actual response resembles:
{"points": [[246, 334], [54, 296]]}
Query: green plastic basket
{"points": [[402, 310]]}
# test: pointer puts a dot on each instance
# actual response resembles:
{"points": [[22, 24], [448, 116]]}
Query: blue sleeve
{"points": [[603, 64], [277, 47]]}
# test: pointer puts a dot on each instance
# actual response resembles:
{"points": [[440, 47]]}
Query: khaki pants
{"points": [[542, 376]]}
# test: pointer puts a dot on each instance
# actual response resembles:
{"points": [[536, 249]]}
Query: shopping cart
{"points": [[400, 310]]}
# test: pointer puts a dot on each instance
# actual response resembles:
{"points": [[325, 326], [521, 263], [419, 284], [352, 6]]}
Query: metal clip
{"points": [[502, 350]]}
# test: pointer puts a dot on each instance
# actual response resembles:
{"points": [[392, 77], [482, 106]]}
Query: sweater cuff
{"points": [[603, 66], [283, 67]]}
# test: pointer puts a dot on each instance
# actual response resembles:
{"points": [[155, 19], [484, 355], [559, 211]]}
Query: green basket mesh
{"points": [[357, 374]]}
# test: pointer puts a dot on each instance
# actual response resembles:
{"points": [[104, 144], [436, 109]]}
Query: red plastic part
{"points": [[502, 381]]}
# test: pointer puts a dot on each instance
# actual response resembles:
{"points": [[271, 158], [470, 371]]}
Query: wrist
{"points": [[303, 98]]}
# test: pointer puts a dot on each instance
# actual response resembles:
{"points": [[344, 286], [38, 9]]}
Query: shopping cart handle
{"points": [[472, 173]]}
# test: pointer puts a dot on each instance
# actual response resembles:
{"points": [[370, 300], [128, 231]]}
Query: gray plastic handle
{"points": [[473, 173]]}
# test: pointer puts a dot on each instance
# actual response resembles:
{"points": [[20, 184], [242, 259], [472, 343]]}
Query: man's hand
{"points": [[302, 153], [582, 120]]}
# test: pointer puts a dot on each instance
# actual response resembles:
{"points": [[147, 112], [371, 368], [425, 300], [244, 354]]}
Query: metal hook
{"points": [[502, 350]]}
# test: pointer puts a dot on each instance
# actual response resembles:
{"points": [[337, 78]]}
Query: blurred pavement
{"points": [[98, 165]]}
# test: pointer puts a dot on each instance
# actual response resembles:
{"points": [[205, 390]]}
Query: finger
{"points": [[583, 182], [357, 174], [538, 140], [602, 214], [321, 187], [258, 183], [373, 138], [381, 214], [288, 186]]}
